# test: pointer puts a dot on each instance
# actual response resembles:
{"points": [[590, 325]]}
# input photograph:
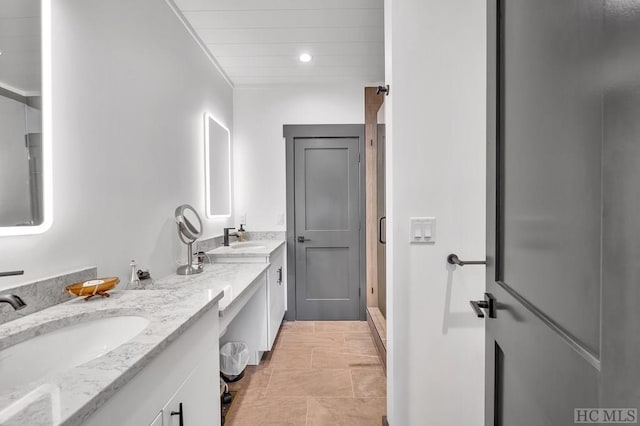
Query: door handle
{"points": [[302, 239], [280, 275], [179, 413], [380, 229], [453, 259], [488, 303]]}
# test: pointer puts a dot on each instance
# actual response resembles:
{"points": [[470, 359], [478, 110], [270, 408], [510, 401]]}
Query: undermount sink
{"points": [[65, 348], [247, 245]]}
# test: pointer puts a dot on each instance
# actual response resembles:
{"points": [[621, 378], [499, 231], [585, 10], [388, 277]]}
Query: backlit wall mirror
{"points": [[217, 142], [25, 117]]}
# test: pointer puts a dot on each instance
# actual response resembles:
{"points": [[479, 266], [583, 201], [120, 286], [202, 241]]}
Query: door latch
{"points": [[489, 303]]}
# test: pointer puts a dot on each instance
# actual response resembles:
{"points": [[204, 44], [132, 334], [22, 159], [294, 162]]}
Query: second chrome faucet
{"points": [[225, 241], [15, 301]]}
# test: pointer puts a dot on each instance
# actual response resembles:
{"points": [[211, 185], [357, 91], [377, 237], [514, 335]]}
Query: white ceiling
{"points": [[258, 42], [20, 45]]}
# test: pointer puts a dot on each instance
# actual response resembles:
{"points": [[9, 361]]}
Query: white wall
{"points": [[130, 87], [435, 119], [259, 149]]}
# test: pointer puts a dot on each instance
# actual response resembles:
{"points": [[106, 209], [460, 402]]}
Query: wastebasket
{"points": [[234, 357]]}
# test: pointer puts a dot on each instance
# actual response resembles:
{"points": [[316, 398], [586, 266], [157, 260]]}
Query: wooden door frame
{"points": [[373, 102], [291, 133]]}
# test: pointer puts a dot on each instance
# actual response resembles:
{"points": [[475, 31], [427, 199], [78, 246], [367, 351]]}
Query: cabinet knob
{"points": [[179, 413]]}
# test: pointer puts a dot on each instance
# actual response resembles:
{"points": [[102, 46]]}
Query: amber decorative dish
{"points": [[91, 288]]}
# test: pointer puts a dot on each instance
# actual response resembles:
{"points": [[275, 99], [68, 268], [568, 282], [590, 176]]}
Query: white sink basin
{"points": [[247, 245], [65, 348]]}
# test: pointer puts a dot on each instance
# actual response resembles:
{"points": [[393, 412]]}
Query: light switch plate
{"points": [[422, 230]]}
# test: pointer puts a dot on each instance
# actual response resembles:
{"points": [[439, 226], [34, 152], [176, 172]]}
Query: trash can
{"points": [[234, 357]]}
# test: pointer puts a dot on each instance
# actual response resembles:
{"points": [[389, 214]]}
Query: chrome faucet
{"points": [[15, 301], [225, 242]]}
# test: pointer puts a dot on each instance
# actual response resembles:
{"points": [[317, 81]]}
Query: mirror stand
{"points": [[189, 269], [189, 230]]}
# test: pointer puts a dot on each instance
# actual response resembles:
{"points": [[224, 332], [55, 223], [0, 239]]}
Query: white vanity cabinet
{"points": [[276, 290], [191, 404], [276, 286], [185, 374]]}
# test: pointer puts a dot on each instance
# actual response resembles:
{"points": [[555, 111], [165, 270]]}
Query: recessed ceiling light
{"points": [[305, 57], [0, 52]]}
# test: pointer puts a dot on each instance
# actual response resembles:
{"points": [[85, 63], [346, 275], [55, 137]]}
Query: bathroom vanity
{"points": [[143, 357], [116, 360], [271, 252], [138, 357], [242, 310], [179, 385]]}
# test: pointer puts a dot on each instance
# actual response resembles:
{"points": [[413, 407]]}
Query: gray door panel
{"points": [[540, 376], [327, 217], [324, 183], [621, 246], [552, 152], [563, 158], [621, 207]]}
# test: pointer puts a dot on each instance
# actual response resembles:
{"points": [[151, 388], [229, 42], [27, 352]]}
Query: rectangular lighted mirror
{"points": [[25, 117], [217, 143]]}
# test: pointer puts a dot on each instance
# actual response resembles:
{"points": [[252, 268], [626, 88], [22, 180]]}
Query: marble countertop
{"points": [[70, 396], [232, 278], [74, 394], [266, 248]]}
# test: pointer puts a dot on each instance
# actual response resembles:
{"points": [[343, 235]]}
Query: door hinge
{"points": [[359, 292], [359, 155], [371, 290]]}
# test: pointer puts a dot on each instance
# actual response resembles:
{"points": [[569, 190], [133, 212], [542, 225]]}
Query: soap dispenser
{"points": [[241, 233], [134, 281]]}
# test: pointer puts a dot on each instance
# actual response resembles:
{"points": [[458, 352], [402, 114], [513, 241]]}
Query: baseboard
{"points": [[379, 338]]}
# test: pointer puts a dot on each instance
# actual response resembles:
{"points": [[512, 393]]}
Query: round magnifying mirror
{"points": [[189, 230]]}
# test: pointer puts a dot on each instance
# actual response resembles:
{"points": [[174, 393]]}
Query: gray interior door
{"points": [[327, 228], [562, 208]]}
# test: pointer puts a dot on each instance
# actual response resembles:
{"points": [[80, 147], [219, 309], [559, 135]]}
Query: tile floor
{"points": [[319, 373]]}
